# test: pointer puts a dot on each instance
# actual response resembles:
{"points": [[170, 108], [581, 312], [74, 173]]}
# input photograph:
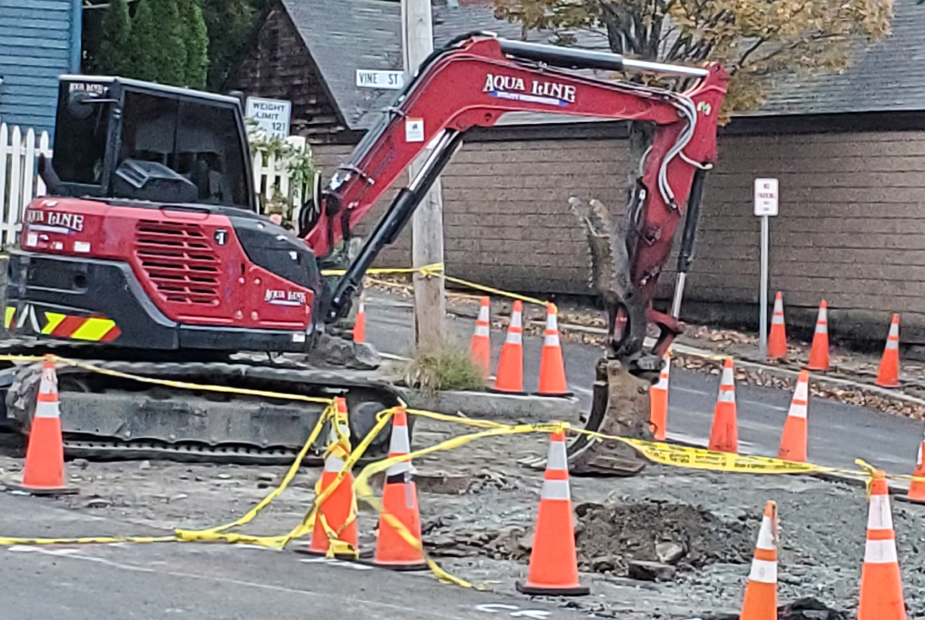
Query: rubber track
{"points": [[286, 377]]}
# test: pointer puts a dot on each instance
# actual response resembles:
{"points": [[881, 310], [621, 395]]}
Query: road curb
{"points": [[492, 406]]}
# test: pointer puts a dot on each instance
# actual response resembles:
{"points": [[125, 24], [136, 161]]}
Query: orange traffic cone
{"points": [[658, 402], [552, 365], [43, 473], [794, 439], [888, 375], [400, 500], [819, 353], [881, 581], [335, 518], [724, 436], [510, 376], [553, 561], [359, 328], [480, 345], [777, 340], [917, 487], [761, 592]]}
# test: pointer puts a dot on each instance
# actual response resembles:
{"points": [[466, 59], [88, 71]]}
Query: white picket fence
{"points": [[270, 174], [20, 183], [19, 180]]}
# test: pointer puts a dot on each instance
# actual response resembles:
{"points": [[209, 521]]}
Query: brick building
{"points": [[849, 150]]}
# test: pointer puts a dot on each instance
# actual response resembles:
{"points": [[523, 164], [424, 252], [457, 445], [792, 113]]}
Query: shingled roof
{"points": [[886, 77], [345, 35]]}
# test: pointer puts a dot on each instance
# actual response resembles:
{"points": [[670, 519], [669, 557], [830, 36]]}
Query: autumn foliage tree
{"points": [[758, 41]]}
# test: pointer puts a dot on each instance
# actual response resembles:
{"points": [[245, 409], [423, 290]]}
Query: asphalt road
{"points": [[838, 433], [212, 581]]}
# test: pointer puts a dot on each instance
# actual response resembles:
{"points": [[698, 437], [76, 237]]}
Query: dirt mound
{"points": [[610, 536], [803, 609]]}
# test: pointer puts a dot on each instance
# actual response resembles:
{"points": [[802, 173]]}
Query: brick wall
{"points": [[851, 229]]}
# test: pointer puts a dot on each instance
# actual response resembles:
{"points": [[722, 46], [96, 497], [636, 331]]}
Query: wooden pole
{"points": [[427, 222]]}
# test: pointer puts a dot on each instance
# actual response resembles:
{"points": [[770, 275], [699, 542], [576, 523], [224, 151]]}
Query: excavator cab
{"points": [[120, 138]]}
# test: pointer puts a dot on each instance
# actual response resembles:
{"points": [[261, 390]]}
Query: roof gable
{"points": [[346, 35]]}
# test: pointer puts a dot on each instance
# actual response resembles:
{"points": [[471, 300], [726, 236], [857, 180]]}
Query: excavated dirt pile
{"points": [[624, 539], [647, 540]]}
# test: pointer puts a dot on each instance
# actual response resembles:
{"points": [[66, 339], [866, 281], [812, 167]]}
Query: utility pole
{"points": [[427, 222]]}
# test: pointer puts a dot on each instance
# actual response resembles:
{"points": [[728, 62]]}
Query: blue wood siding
{"points": [[39, 40]]}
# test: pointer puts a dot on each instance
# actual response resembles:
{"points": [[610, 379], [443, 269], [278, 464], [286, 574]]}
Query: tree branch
{"points": [[741, 62]]}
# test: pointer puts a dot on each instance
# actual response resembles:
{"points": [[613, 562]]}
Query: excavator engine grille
{"points": [[179, 260]]}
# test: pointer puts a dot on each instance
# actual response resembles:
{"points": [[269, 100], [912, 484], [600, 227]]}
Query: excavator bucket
{"points": [[620, 400], [619, 407]]}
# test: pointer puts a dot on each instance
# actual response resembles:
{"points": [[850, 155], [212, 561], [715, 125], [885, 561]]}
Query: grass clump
{"points": [[450, 369]]}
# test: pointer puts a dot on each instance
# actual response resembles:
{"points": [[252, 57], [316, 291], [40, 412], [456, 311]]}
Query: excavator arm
{"points": [[477, 79]]}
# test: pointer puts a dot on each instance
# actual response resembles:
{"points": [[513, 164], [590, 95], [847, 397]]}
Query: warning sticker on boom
{"points": [[414, 129]]}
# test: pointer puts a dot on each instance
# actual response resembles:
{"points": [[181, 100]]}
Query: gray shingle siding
{"points": [[39, 40]]}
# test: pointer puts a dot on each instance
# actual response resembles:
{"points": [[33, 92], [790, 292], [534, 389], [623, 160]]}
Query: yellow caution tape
{"points": [[290, 474], [436, 269], [97, 540], [425, 270], [364, 491], [307, 524], [180, 385], [698, 458], [667, 454]]}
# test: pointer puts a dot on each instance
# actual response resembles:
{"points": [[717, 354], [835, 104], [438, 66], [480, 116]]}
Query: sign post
{"points": [[766, 205]]}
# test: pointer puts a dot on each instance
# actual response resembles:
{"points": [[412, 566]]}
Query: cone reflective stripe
{"points": [[795, 436], [400, 500], [881, 581], [777, 340], [359, 328], [480, 345], [761, 592], [724, 436], [888, 374], [43, 472], [510, 375], [819, 353], [553, 560], [552, 365], [338, 511], [917, 487], [658, 402]]}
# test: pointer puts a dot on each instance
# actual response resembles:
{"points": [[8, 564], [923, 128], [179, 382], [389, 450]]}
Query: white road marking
{"points": [[515, 611], [685, 390], [336, 562]]}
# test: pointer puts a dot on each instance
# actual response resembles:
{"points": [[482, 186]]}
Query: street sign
{"points": [[367, 78], [271, 115], [766, 197], [766, 203]]}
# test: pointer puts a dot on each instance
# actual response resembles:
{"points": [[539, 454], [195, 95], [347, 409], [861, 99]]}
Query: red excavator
{"points": [[148, 256]]}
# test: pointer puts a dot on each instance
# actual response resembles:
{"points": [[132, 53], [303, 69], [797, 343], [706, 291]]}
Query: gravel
{"points": [[483, 533]]}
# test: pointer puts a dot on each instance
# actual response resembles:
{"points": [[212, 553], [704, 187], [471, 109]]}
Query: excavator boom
{"points": [[473, 83]]}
